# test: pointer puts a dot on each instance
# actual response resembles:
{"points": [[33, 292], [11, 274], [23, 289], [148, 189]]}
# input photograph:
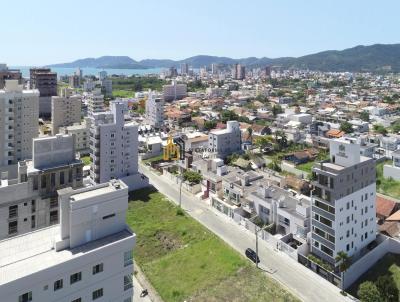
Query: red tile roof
{"points": [[384, 206]]}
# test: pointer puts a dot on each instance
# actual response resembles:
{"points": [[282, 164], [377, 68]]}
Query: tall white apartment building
{"points": [[19, 114], [65, 110], [29, 202], [343, 202], [154, 111], [114, 146], [226, 141], [174, 91], [87, 257], [95, 102]]}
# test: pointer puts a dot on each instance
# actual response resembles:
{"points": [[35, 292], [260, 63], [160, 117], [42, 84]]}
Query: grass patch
{"points": [[387, 186], [184, 260], [86, 160], [151, 159], [306, 167], [389, 264], [119, 93]]}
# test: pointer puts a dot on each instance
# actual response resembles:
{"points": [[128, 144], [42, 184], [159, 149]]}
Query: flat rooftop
{"points": [[27, 254], [99, 190]]}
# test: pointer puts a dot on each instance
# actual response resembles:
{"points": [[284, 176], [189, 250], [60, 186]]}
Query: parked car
{"points": [[252, 255]]}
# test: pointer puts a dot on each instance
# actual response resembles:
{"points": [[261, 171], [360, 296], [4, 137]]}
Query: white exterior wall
{"points": [[58, 252], [356, 226], [226, 142], [111, 279], [117, 145], [154, 111], [19, 114]]}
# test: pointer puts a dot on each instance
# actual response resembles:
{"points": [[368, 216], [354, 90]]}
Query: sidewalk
{"points": [[143, 283]]}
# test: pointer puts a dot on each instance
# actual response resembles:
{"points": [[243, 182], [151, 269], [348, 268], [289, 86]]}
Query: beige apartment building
{"points": [[19, 114], [87, 257], [65, 110]]}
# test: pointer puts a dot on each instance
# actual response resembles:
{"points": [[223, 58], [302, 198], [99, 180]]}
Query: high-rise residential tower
{"points": [[19, 114], [45, 81], [343, 202]]}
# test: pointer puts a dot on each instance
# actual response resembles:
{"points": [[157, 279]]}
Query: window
{"points": [[347, 247], [128, 282], [58, 284], [97, 268], [326, 250], [33, 206], [53, 179], [33, 221], [43, 182], [77, 300], [27, 297], [75, 278], [53, 217], [13, 211], [12, 227], [62, 178], [108, 216], [128, 258], [97, 294]]}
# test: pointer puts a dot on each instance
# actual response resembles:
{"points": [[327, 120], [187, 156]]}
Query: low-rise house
{"points": [[301, 157], [393, 170], [385, 207], [288, 211]]}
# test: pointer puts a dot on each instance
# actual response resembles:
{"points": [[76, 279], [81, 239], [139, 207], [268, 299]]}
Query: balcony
{"points": [[322, 212], [323, 227], [323, 240]]}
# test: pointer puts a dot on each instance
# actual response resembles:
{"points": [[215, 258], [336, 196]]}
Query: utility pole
{"points": [[257, 230]]}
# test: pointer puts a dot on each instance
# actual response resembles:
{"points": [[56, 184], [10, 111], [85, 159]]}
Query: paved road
{"points": [[302, 282]]}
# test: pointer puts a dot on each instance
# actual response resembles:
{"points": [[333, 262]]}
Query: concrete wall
{"points": [[391, 171], [388, 245]]}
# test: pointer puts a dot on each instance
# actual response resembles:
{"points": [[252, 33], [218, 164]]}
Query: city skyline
{"points": [[161, 31]]}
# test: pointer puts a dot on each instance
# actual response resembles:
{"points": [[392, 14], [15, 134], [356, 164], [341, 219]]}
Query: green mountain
{"points": [[373, 58]]}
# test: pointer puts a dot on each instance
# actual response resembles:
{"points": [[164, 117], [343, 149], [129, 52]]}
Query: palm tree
{"points": [[344, 260]]}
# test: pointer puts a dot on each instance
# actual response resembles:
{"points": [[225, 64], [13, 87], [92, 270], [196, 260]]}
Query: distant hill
{"points": [[119, 62], [373, 58]]}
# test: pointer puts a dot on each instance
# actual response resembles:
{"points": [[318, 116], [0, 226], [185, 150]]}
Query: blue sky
{"points": [[47, 31]]}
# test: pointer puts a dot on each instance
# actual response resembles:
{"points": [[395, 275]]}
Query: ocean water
{"points": [[92, 71]]}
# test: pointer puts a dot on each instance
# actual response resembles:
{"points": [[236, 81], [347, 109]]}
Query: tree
{"points": [[276, 109], [387, 288], [344, 264], [275, 165], [364, 116], [368, 292], [380, 129], [192, 177], [346, 127], [208, 125], [396, 126], [228, 115], [281, 139]]}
